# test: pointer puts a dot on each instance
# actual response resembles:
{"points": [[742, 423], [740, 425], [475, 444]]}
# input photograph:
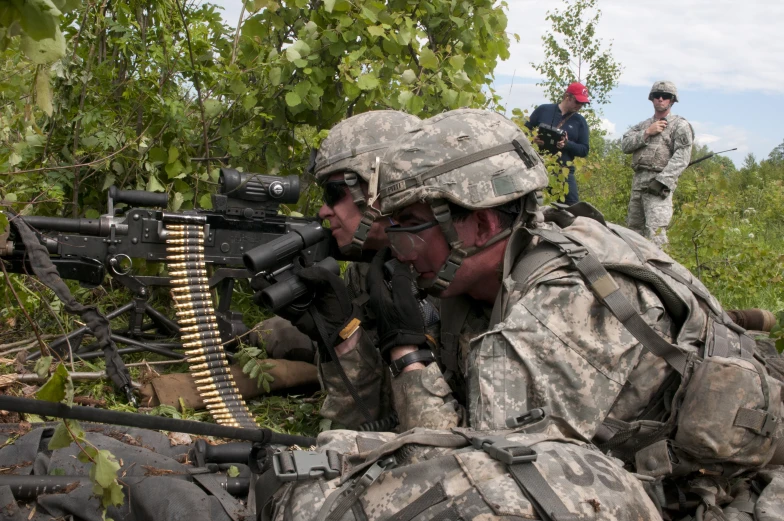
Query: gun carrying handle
{"points": [[139, 197]]}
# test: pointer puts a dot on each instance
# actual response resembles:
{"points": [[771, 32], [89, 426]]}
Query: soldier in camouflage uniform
{"points": [[661, 151], [463, 189], [343, 166]]}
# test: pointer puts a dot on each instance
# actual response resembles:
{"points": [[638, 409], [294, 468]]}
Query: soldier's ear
{"points": [[487, 225]]}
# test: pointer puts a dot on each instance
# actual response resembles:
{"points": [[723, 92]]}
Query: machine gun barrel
{"points": [[64, 224], [26, 488], [144, 421]]}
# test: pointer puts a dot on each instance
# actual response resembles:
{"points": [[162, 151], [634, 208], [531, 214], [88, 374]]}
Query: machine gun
{"points": [[244, 217]]}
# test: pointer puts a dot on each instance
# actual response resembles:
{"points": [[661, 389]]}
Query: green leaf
{"points": [[329, 5], [158, 155], [3, 223], [174, 154], [367, 81], [461, 79], [293, 99], [205, 201], [274, 76], [428, 59], [177, 201], [43, 93], [457, 62], [249, 101], [233, 472], [108, 181], [92, 213], [106, 468], [173, 170], [212, 108], [46, 50], [450, 98], [62, 438], [153, 185], [416, 104], [376, 30], [408, 76], [42, 366], [404, 97], [54, 389], [292, 53]]}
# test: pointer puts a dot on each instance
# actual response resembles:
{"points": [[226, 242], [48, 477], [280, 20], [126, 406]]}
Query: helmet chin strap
{"points": [[369, 214], [457, 254]]}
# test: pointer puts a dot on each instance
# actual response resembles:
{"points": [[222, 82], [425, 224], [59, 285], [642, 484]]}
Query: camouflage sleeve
{"points": [[558, 347], [370, 376], [422, 398], [682, 142], [634, 138]]}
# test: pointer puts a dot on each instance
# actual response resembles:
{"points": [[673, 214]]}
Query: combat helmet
{"points": [[473, 158], [664, 86], [354, 147]]}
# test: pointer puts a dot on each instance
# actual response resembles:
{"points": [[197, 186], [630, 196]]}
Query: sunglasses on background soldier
{"points": [[662, 95]]}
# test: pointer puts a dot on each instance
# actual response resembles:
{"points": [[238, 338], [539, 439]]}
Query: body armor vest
{"points": [[657, 153]]}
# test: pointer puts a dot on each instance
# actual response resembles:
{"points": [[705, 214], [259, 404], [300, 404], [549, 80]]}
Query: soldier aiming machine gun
{"points": [[244, 217]]}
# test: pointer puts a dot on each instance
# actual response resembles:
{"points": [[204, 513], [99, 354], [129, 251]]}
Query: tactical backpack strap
{"points": [[747, 344], [605, 287], [762, 422], [454, 312], [519, 459], [291, 466]]}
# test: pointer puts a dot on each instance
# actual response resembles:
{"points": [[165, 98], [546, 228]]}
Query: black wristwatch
{"points": [[424, 356]]}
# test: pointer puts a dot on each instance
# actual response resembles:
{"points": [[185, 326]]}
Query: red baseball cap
{"points": [[579, 92]]}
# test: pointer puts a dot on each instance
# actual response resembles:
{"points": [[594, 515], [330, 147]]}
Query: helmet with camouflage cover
{"points": [[352, 149], [475, 159], [666, 87]]}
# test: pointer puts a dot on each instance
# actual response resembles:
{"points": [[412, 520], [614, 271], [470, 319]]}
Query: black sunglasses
{"points": [[662, 95], [334, 191]]}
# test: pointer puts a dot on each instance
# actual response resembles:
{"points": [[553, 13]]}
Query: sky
{"points": [[725, 56]]}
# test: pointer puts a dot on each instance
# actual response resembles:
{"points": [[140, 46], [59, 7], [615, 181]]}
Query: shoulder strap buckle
{"points": [[300, 465], [503, 450]]}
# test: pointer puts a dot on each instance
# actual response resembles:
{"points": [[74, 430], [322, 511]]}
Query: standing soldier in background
{"points": [[661, 148]]}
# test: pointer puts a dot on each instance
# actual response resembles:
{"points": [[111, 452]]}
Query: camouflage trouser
{"points": [[649, 215]]}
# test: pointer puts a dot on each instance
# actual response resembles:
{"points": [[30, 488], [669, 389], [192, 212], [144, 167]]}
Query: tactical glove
{"points": [[398, 317], [656, 187]]}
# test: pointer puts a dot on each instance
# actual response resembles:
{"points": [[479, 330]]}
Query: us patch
{"points": [[504, 185]]}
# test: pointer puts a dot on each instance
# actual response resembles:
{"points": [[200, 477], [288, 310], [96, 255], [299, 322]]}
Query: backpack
{"points": [[724, 409], [458, 475]]}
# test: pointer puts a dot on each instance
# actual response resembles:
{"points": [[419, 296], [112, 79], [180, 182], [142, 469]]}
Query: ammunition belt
{"points": [[199, 328]]}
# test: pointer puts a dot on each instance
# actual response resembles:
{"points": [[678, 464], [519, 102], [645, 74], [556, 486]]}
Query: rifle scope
{"points": [[259, 187]]}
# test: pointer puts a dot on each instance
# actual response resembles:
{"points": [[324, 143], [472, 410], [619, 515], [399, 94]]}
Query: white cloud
{"points": [[723, 137], [609, 127], [705, 44], [706, 139]]}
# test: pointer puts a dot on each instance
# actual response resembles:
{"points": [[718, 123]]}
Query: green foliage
{"points": [[136, 98], [255, 364], [103, 472], [574, 53], [59, 387], [727, 226]]}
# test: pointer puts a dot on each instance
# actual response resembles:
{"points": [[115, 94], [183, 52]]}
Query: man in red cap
{"points": [[563, 116]]}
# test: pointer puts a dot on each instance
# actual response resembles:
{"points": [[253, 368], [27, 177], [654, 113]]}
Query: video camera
{"points": [[551, 136]]}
